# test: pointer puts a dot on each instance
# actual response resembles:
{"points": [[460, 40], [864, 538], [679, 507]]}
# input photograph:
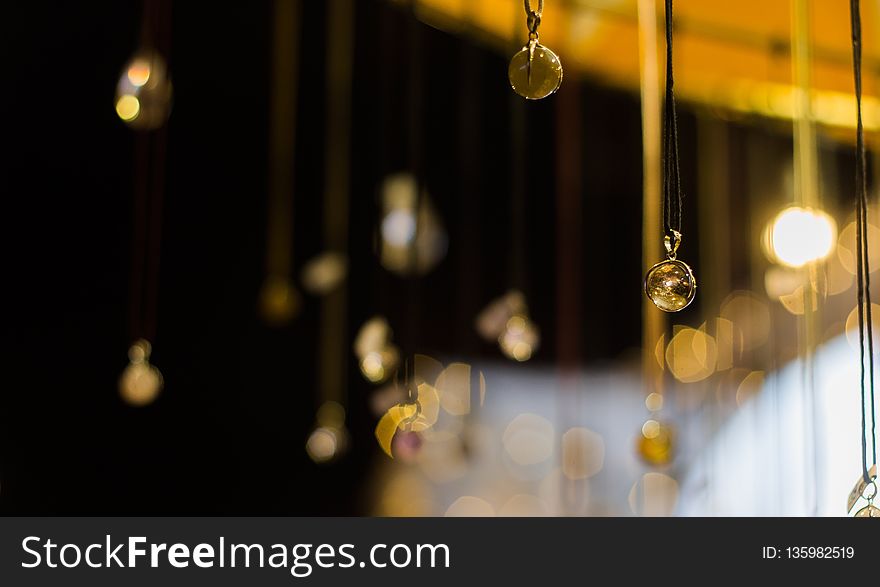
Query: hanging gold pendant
{"points": [[869, 511], [868, 491], [671, 284], [535, 71]]}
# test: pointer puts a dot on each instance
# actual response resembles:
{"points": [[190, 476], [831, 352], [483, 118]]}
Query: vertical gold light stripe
{"points": [[340, 53], [806, 194], [652, 319], [282, 137]]}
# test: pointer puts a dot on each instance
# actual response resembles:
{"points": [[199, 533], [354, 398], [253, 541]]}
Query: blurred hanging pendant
{"points": [[535, 71], [656, 443], [329, 438], [671, 284], [143, 94], [140, 382], [280, 301]]}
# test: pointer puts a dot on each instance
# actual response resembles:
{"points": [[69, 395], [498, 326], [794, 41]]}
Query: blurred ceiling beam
{"points": [[732, 56]]}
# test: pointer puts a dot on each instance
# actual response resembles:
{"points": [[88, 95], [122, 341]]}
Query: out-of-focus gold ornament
{"points": [[143, 94], [535, 71], [398, 417], [378, 365], [413, 239], [671, 284], [324, 273], [491, 321], [507, 321], [329, 438], [377, 357], [279, 301], [520, 338], [140, 382], [656, 443]]}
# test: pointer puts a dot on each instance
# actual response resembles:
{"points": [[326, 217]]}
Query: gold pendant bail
{"points": [[672, 244], [870, 495]]}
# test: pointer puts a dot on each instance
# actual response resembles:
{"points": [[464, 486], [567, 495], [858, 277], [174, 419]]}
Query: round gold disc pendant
{"points": [[535, 72], [671, 285], [869, 511]]}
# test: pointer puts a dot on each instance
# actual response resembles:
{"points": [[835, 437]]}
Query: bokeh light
{"points": [[520, 338], [654, 495], [138, 72], [750, 318], [846, 248], [280, 302], [322, 444], [127, 107], [491, 321], [656, 443], [144, 91], [413, 239], [803, 298], [140, 382], [852, 327], [329, 438], [583, 453], [454, 386], [798, 236], [469, 506], [749, 387], [377, 366], [378, 358], [523, 505], [691, 355], [324, 273], [528, 439], [654, 401]]}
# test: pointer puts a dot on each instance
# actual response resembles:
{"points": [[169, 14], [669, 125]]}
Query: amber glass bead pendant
{"points": [[671, 284], [535, 71]]}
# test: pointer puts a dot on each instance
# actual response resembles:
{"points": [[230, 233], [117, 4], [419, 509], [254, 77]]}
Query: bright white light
{"points": [[399, 227], [800, 235]]}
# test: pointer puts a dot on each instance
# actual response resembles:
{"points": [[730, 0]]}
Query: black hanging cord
{"points": [[866, 334], [672, 198]]}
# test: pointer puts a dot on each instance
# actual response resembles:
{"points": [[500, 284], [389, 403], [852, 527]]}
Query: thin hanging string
{"points": [[866, 334], [672, 198]]}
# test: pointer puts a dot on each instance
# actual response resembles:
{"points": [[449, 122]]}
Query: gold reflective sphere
{"points": [[671, 285], [535, 72]]}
